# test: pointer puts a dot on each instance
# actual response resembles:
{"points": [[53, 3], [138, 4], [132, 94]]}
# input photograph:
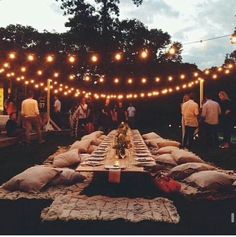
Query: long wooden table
{"points": [[128, 164]]}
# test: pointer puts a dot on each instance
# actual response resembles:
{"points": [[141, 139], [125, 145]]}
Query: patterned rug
{"points": [[72, 207]]}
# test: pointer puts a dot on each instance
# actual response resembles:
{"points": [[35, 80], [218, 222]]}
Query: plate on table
{"points": [[144, 159], [91, 163], [95, 158], [114, 167], [142, 154]]}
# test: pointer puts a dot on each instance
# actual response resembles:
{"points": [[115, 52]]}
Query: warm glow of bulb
{"points": [[12, 74], [227, 71], [118, 56], [49, 58], [177, 88], [2, 70], [23, 69], [41, 84], [195, 74], [219, 69], [101, 79], [172, 51], [116, 80], [6, 65], [26, 82], [214, 76], [230, 65], [71, 59], [182, 76], [207, 72], [170, 78], [39, 72], [142, 95], [144, 54], [144, 80], [12, 55], [32, 81], [30, 57], [56, 74], [157, 79], [130, 81], [72, 77], [87, 78], [94, 58], [184, 86], [36, 86], [56, 91]]}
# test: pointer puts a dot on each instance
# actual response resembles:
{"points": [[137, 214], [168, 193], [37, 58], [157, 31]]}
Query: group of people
{"points": [[84, 118], [32, 115], [208, 120]]}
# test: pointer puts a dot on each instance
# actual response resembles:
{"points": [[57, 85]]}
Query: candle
{"points": [[117, 163], [114, 176]]}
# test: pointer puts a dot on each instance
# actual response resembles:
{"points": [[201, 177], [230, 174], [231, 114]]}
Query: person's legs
{"points": [[28, 129], [190, 136], [186, 137], [215, 135], [36, 124]]}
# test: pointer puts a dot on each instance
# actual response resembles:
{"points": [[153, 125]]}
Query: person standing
{"points": [[12, 128], [185, 99], [57, 111], [42, 102], [226, 120], [190, 112], [82, 116], [31, 119], [106, 117], [121, 113], [210, 117], [10, 106], [131, 113]]}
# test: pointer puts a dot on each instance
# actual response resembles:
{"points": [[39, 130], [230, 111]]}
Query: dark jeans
{"points": [[211, 132], [227, 128], [188, 136], [131, 122]]}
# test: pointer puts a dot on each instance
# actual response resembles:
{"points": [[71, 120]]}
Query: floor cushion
{"points": [[182, 156], [151, 135], [165, 159], [67, 159], [210, 179], [32, 179], [82, 146], [166, 149], [184, 170]]}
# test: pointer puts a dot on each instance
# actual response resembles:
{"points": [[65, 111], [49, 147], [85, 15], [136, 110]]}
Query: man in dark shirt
{"points": [[121, 113]]}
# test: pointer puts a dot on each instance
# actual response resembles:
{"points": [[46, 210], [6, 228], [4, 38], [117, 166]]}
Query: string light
{"points": [[30, 57], [39, 72], [23, 69], [172, 51], [130, 81], [170, 78], [12, 55], [94, 58], [195, 74], [56, 74], [71, 59], [144, 80], [144, 54], [118, 56], [6, 65], [50, 58], [157, 79], [116, 80], [182, 76]]}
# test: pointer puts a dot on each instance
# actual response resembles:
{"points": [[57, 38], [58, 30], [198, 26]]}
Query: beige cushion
{"points": [[32, 179], [150, 136], [166, 149], [165, 159], [67, 177], [184, 170], [92, 135], [182, 156], [81, 146], [96, 142], [153, 142], [67, 159], [102, 137], [211, 179], [167, 142], [92, 148]]}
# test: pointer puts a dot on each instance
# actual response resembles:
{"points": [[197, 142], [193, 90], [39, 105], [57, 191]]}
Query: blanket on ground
{"points": [[72, 207]]}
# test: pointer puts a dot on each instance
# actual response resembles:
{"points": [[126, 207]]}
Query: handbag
{"points": [[167, 184]]}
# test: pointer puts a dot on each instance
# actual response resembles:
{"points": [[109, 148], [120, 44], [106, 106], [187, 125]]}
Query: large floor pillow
{"points": [[93, 135], [67, 177], [92, 148], [67, 159], [153, 142], [183, 171], [182, 156], [167, 142], [96, 141], [210, 179], [150, 136], [165, 159], [82, 146], [32, 179], [166, 149]]}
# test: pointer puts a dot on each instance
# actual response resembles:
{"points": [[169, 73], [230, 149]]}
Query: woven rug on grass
{"points": [[77, 208], [50, 192]]}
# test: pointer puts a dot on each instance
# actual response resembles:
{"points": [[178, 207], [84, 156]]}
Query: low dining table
{"points": [[105, 158]]}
